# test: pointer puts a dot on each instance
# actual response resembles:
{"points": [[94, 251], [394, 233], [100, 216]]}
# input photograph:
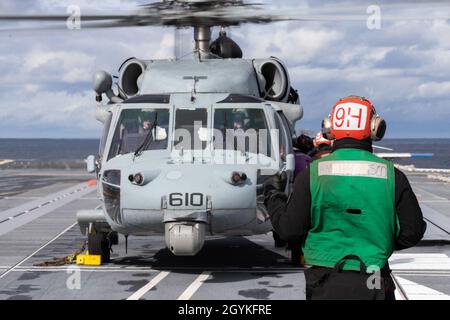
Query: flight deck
{"points": [[38, 223]]}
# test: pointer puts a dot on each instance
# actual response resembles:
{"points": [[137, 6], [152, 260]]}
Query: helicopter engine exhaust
{"points": [[131, 76], [273, 79]]}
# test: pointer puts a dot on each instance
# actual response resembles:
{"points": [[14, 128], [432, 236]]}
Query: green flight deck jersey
{"points": [[352, 210]]}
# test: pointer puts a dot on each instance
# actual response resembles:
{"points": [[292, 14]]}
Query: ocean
{"points": [[440, 148], [71, 152]]}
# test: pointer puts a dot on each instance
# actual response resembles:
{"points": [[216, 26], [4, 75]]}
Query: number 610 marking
{"points": [[186, 200]]}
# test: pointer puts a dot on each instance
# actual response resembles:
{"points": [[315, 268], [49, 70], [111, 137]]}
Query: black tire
{"points": [[98, 244], [113, 238]]}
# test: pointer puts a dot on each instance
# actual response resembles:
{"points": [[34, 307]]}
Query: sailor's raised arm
{"points": [[291, 218]]}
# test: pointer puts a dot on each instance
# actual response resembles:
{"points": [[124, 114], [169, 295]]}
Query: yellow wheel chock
{"points": [[89, 259]]}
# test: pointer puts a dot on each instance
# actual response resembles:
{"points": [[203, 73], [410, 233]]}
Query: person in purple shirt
{"points": [[302, 146]]}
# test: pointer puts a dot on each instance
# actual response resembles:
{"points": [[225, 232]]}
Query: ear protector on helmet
{"points": [[321, 140], [377, 127], [326, 125], [374, 128]]}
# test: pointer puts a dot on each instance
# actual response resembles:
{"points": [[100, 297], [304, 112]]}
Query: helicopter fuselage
{"points": [[192, 164]]}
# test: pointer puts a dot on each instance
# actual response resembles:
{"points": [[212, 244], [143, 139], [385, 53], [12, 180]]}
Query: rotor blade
{"points": [[230, 22], [359, 7], [352, 18], [93, 24], [63, 18], [234, 12]]}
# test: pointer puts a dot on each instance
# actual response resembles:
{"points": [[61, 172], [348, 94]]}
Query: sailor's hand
{"points": [[277, 182], [273, 200]]}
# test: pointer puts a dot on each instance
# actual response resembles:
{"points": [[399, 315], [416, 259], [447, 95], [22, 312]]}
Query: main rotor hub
{"points": [[202, 37]]}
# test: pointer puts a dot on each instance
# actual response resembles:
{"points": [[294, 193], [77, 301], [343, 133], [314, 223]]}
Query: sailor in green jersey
{"points": [[350, 203]]}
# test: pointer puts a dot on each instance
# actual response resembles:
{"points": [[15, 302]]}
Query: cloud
{"points": [[298, 45], [432, 90], [72, 66], [65, 111], [403, 68], [60, 6]]}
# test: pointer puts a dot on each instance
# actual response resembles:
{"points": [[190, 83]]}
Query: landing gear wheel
{"points": [[98, 244], [113, 238]]}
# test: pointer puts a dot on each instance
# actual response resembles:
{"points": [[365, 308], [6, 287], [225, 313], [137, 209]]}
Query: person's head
{"points": [[303, 143], [320, 142], [354, 117], [238, 121], [146, 123]]}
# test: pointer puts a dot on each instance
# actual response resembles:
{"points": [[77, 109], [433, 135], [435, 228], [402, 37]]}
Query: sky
{"points": [[403, 67]]}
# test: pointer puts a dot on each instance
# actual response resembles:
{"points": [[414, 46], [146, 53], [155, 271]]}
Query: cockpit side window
{"points": [[106, 127], [134, 126], [285, 138], [243, 129]]}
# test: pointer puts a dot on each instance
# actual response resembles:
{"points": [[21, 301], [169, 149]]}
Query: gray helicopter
{"points": [[187, 145]]}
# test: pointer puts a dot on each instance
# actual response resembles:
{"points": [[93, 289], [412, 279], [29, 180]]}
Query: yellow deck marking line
{"points": [[190, 291], [138, 294]]}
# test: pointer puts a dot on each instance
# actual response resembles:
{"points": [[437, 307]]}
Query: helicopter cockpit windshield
{"points": [[134, 126], [241, 129]]}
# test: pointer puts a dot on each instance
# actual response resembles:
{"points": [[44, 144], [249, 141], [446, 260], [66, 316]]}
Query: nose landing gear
{"points": [[99, 243]]}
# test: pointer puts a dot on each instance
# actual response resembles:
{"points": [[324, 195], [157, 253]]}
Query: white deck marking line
{"points": [[194, 286], [138, 294], [20, 198], [44, 204], [399, 292], [436, 225], [50, 269], [428, 193], [419, 262], [145, 269], [417, 274], [417, 291], [45, 245], [434, 201]]}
